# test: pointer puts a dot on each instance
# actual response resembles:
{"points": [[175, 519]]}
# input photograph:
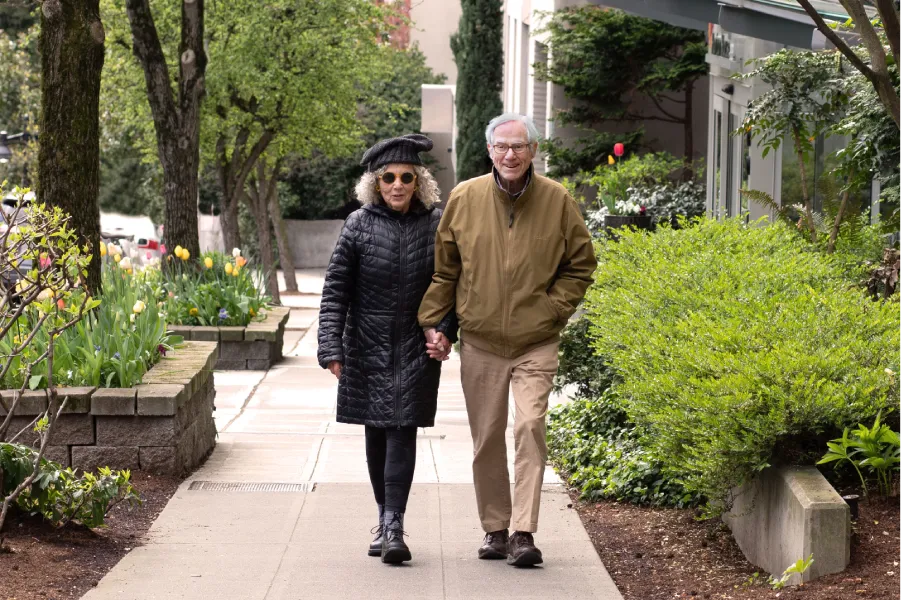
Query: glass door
{"points": [[730, 160]]}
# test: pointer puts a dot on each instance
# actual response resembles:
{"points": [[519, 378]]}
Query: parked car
{"points": [[13, 212]]}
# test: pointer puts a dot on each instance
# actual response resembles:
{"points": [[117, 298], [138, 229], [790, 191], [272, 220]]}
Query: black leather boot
{"points": [[375, 546], [394, 549]]}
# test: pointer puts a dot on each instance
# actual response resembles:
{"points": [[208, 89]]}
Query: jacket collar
{"points": [[417, 208], [501, 192]]}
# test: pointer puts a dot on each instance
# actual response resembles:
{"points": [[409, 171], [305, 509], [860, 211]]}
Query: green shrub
{"points": [[57, 493], [579, 365], [217, 290], [733, 340], [592, 442]]}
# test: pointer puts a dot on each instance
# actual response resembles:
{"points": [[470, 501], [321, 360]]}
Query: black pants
{"points": [[391, 456]]}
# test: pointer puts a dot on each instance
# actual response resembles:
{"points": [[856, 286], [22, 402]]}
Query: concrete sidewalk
{"points": [[278, 427]]}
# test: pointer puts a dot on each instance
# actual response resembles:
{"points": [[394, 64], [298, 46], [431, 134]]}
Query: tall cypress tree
{"points": [[479, 54]]}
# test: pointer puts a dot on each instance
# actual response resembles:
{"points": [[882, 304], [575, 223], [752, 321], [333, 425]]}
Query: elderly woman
{"points": [[368, 333]]}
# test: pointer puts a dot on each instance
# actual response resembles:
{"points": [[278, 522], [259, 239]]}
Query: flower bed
{"points": [[255, 347], [164, 425]]}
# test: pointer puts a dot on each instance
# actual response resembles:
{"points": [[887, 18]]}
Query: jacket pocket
{"points": [[553, 309]]}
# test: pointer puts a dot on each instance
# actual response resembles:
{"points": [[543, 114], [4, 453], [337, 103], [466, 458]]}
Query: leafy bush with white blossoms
{"points": [[668, 201]]}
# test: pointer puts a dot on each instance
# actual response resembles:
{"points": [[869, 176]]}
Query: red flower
{"points": [[619, 149], [642, 210], [161, 349]]}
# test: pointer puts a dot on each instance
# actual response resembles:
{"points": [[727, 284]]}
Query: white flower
{"points": [[139, 307], [69, 373], [236, 252], [46, 294], [131, 317], [125, 263]]}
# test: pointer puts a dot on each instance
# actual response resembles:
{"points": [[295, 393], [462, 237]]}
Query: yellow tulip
{"points": [[229, 268], [117, 257], [178, 250], [194, 312], [139, 307], [208, 262], [102, 249], [185, 255], [610, 160], [236, 271]]}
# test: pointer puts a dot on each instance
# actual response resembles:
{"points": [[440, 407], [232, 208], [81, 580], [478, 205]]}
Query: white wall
{"points": [[433, 23]]}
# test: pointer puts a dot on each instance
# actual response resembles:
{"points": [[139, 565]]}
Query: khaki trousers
{"points": [[486, 379]]}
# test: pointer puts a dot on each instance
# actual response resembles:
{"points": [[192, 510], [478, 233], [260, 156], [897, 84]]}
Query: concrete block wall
{"points": [[253, 348], [164, 425], [789, 513]]}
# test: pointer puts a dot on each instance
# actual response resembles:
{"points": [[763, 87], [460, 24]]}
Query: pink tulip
{"points": [[619, 149], [149, 256], [45, 263], [61, 304], [162, 248]]}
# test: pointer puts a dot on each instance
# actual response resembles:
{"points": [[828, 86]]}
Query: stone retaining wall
{"points": [[790, 513], [164, 425], [253, 348]]}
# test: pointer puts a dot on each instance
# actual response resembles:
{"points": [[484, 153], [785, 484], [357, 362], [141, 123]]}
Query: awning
{"points": [[764, 19], [691, 14]]}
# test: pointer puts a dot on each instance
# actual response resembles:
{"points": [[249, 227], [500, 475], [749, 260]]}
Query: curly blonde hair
{"points": [[426, 187]]}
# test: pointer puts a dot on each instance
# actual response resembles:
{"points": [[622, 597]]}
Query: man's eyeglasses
{"points": [[405, 178], [517, 148]]}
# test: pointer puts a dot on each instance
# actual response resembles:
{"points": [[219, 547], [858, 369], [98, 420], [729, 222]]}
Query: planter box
{"points": [[253, 348], [790, 513], [164, 425]]}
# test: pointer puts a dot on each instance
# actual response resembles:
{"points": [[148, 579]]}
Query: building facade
{"points": [[525, 45], [739, 31]]}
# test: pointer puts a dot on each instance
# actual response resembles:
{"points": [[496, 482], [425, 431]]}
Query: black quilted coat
{"points": [[378, 274]]}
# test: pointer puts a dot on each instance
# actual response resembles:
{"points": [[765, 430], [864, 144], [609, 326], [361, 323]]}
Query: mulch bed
{"points": [[664, 554], [39, 562]]}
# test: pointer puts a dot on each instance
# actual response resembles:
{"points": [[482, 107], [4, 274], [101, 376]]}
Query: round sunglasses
{"points": [[405, 178]]}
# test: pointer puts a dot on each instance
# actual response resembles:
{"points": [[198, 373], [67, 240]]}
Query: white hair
{"points": [[426, 187], [531, 130]]}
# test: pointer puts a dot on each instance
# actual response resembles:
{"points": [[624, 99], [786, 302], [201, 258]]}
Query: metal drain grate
{"points": [[221, 486]]}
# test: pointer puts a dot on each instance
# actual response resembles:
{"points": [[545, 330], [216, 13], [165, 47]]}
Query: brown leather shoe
{"points": [[521, 550], [494, 546]]}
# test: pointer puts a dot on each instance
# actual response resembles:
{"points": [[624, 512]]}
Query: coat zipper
{"points": [[398, 331], [506, 319]]}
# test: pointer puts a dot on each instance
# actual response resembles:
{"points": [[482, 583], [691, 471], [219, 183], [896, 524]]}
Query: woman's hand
{"points": [[437, 345], [335, 367]]}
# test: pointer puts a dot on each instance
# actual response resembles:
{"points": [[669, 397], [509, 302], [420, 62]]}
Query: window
{"points": [[824, 189], [716, 207]]}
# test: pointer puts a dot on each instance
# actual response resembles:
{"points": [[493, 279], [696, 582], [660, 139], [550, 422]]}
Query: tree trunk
{"points": [[689, 149], [833, 235], [233, 172], [231, 235], [258, 196], [808, 202], [71, 46], [281, 237], [176, 120]]}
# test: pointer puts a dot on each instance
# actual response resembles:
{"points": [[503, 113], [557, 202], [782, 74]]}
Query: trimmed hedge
{"points": [[731, 341]]}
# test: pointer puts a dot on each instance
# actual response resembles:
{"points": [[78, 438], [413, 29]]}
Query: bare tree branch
{"points": [[889, 15], [878, 75]]}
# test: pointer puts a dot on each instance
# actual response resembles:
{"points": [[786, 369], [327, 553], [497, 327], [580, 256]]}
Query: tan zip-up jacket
{"points": [[515, 270]]}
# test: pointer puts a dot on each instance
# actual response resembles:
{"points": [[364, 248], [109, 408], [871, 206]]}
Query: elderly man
{"points": [[515, 257]]}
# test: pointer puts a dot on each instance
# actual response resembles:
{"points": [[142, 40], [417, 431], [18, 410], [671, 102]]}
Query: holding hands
{"points": [[437, 345]]}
